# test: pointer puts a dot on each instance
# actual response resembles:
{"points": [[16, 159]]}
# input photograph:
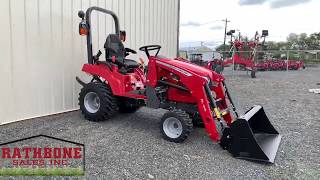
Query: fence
{"points": [[309, 57]]}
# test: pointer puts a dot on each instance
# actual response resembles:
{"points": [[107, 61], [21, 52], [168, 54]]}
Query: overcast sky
{"points": [[200, 20]]}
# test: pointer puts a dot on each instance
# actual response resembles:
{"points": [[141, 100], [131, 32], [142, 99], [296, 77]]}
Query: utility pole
{"points": [[288, 54], [225, 37]]}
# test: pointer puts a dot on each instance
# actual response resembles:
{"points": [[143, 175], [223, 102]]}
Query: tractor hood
{"points": [[194, 69]]}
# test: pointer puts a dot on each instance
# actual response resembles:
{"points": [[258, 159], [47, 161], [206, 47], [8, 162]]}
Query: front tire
{"points": [[176, 125], [97, 102]]}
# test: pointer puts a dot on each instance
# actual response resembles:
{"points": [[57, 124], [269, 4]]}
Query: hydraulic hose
{"points": [[212, 102], [229, 97]]}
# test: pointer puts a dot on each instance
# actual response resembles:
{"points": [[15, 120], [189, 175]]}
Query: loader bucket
{"points": [[252, 137]]}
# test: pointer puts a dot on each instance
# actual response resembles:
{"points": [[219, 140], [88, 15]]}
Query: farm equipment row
{"points": [[238, 48], [190, 93], [244, 55], [237, 55], [278, 65]]}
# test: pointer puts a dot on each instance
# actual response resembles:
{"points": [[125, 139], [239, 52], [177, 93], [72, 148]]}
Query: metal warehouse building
{"points": [[42, 52]]}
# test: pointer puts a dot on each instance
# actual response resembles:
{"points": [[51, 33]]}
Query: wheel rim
{"points": [[172, 127], [92, 102]]}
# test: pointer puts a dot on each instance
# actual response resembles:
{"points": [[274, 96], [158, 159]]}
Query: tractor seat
{"points": [[127, 63], [114, 47]]}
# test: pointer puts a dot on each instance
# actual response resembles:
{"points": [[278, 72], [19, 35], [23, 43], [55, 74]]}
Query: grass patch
{"points": [[41, 172]]}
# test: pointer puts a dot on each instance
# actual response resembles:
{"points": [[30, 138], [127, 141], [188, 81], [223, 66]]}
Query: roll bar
{"points": [[88, 23]]}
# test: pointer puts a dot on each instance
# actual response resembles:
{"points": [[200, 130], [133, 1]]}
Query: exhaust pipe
{"points": [[252, 137]]}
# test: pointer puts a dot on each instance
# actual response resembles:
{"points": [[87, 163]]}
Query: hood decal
{"points": [[175, 68]]}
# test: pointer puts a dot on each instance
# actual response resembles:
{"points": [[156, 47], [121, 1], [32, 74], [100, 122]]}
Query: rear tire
{"points": [[128, 105], [196, 120], [97, 102], [176, 125]]}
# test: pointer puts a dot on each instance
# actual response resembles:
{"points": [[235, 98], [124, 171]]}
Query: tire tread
{"points": [[108, 105], [184, 119]]}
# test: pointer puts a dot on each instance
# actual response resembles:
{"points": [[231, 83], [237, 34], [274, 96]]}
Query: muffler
{"points": [[252, 137]]}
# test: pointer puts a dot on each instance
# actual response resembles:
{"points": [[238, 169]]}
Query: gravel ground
{"points": [[129, 146]]}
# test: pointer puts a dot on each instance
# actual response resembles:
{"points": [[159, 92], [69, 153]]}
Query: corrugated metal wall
{"points": [[41, 51]]}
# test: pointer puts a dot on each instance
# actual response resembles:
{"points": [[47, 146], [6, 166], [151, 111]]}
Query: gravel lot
{"points": [[129, 146]]}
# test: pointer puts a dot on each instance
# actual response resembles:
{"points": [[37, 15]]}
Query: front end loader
{"points": [[189, 92]]}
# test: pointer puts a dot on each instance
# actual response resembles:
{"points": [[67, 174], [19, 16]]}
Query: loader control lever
{"points": [[130, 51], [148, 48], [96, 57]]}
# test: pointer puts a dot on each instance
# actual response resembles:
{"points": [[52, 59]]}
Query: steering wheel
{"points": [[148, 48]]}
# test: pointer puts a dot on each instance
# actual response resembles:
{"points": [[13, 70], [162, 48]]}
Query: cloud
{"points": [[189, 45], [251, 2], [285, 3], [190, 23], [273, 3], [196, 24], [216, 27]]}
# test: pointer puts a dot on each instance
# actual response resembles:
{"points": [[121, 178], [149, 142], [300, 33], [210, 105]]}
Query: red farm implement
{"points": [[242, 54], [278, 65], [239, 48]]}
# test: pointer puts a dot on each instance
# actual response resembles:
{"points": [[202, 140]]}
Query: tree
{"points": [[293, 37], [222, 47]]}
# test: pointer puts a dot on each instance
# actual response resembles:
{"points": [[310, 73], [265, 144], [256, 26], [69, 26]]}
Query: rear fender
{"points": [[114, 79]]}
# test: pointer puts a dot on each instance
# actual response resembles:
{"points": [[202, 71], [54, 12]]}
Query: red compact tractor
{"points": [[189, 92]]}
